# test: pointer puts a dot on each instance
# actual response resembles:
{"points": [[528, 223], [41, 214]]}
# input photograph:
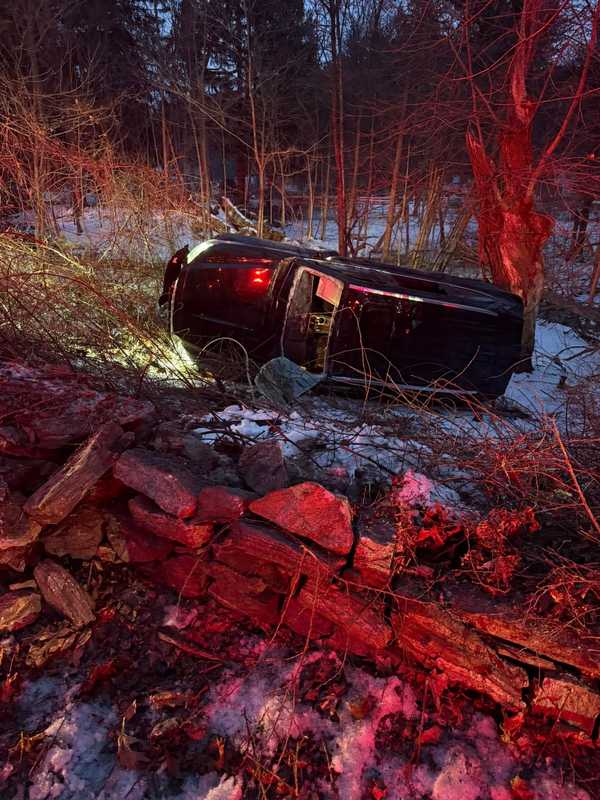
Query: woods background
{"points": [[316, 110]]}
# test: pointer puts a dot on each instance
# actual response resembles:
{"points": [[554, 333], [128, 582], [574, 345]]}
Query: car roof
{"points": [[381, 278], [384, 277]]}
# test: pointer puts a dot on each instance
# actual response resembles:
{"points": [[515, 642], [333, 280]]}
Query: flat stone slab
{"points": [[17, 529], [18, 609], [165, 479], [374, 554], [133, 545], [153, 519], [562, 697], [360, 618], [437, 639], [56, 498], [250, 548], [61, 591], [78, 536], [312, 512]]}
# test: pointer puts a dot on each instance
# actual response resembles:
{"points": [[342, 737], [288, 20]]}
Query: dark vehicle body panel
{"points": [[351, 320]]}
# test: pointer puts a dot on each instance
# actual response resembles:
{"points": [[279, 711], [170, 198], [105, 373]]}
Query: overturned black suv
{"points": [[352, 321]]}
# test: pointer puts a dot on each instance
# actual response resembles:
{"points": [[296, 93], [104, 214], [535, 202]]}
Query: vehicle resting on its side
{"points": [[351, 321]]}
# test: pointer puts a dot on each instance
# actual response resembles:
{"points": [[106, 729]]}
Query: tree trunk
{"points": [[595, 275], [311, 200], [511, 233], [581, 219], [325, 201], [391, 209], [337, 126]]}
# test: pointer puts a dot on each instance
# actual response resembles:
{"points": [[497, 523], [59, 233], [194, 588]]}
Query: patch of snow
{"points": [[333, 440], [260, 708], [561, 357], [180, 618], [354, 749], [76, 766], [211, 787], [418, 489]]}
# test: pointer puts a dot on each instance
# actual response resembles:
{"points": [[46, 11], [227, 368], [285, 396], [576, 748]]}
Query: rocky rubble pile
{"points": [[207, 524]]}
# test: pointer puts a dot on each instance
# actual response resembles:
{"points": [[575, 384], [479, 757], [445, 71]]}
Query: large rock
{"points": [[222, 504], [61, 591], [15, 558], [151, 518], [250, 548], [505, 620], [56, 498], [306, 621], [18, 609], [311, 511], [56, 407], [248, 596], [78, 536], [165, 479], [262, 467], [374, 553], [14, 441], [25, 474], [186, 574]]}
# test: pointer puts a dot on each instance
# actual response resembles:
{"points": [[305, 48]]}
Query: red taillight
{"points": [[260, 277], [252, 281]]}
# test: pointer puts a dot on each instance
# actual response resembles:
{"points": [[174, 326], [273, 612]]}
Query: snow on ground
{"points": [[334, 445], [154, 236], [122, 233], [259, 711], [561, 357]]}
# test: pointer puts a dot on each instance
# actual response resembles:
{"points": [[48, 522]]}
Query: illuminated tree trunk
{"points": [[512, 233]]}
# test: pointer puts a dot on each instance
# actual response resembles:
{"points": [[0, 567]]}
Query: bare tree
{"points": [[512, 233]]}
